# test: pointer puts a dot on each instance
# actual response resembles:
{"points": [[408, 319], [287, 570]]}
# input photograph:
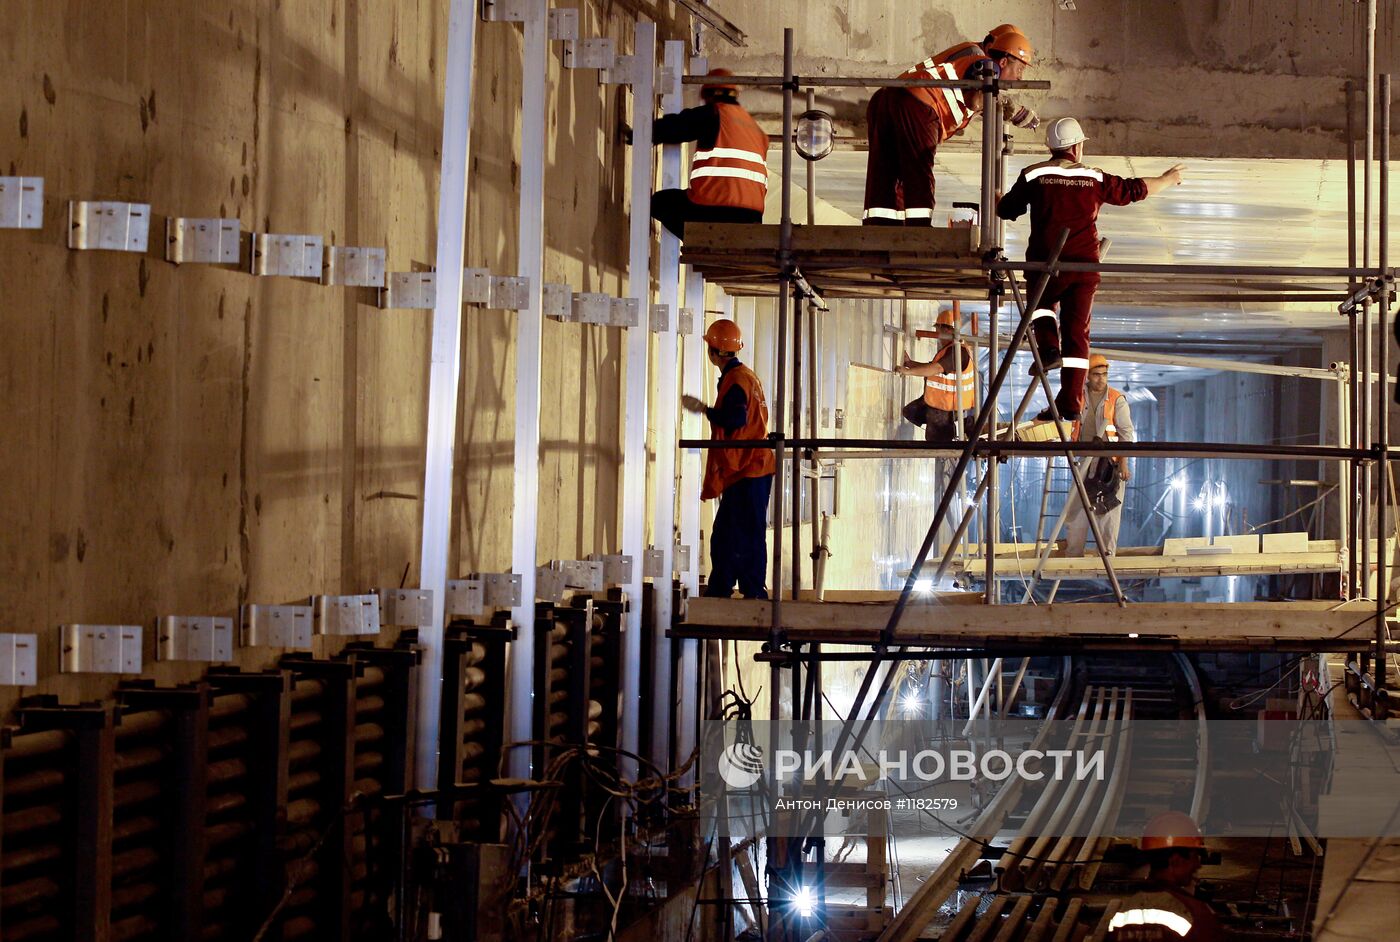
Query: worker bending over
{"points": [[950, 385], [729, 170], [906, 125], [742, 478], [1106, 418], [1061, 193], [1167, 910]]}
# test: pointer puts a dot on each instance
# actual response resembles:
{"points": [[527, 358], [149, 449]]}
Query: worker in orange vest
{"points": [[1167, 910], [1106, 418], [950, 385], [742, 478], [906, 125], [729, 170]]}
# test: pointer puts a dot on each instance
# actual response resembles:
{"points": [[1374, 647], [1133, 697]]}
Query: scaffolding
{"points": [[798, 270]]}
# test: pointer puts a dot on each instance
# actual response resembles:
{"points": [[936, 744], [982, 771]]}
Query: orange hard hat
{"points": [[724, 335], [1172, 829], [946, 319], [711, 87], [1009, 40], [1097, 360]]}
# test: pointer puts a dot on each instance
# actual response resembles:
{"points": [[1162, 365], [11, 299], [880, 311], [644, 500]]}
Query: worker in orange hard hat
{"points": [[729, 169], [906, 125], [742, 478], [1167, 910], [950, 384], [1106, 417]]}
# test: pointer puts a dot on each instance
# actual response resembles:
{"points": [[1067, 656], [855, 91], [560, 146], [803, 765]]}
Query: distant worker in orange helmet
{"points": [[1167, 910], [729, 170], [906, 125], [742, 478], [950, 384], [1106, 418]]}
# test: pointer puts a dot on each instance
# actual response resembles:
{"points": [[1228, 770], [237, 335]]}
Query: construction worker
{"points": [[906, 125], [1062, 193], [950, 384], [1107, 418], [1166, 910], [741, 478], [729, 169]]}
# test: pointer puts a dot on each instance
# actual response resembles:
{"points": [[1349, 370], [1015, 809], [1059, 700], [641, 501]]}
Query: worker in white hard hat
{"points": [[1167, 910], [742, 478], [1106, 418], [1062, 193]]}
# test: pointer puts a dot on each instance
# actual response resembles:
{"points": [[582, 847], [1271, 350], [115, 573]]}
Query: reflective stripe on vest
{"points": [[1058, 171], [1150, 917], [953, 64], [734, 172], [1110, 405], [948, 392]]}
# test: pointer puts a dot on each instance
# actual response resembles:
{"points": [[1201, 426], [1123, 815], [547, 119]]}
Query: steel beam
{"points": [[529, 349], [444, 370]]}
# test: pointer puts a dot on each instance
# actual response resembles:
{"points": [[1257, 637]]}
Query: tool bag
{"points": [[1101, 484]]}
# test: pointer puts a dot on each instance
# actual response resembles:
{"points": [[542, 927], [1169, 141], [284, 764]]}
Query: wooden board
{"points": [[889, 595], [1168, 567], [1178, 547], [1285, 543], [909, 242], [961, 624], [1247, 543]]}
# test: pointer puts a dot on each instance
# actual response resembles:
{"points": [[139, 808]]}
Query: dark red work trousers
{"points": [[904, 133], [1072, 296]]}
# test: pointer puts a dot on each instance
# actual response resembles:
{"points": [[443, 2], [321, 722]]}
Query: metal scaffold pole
{"points": [[1353, 389], [991, 139], [1382, 397]]}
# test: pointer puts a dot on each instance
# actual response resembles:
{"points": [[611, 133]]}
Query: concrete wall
{"points": [[182, 440], [1194, 78]]}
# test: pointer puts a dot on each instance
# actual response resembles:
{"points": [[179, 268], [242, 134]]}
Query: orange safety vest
{"points": [[735, 171], [959, 62], [725, 466], [1110, 430], [941, 390]]}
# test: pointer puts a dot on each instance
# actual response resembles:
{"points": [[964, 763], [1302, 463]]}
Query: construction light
{"points": [[911, 703], [1199, 503], [923, 586], [805, 902], [1178, 482], [813, 137]]}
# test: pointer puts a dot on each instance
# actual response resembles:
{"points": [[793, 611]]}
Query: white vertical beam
{"points": [[692, 469], [444, 371], [529, 327], [634, 436], [667, 405]]}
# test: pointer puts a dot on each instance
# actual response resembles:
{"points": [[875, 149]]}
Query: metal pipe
{"points": [[872, 81], [797, 310], [814, 483], [811, 170], [444, 373], [976, 705], [981, 448], [1382, 399], [990, 139], [1015, 686]]}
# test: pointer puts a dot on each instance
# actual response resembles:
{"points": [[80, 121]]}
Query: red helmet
{"points": [[709, 88], [1172, 829], [724, 335], [1009, 40]]}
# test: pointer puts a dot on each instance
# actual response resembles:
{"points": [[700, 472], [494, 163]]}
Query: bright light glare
{"points": [[1198, 504], [805, 902], [923, 585], [911, 703], [1218, 500], [1178, 483]]}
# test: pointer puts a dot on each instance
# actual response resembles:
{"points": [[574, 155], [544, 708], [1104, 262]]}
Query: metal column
{"points": [[634, 438], [529, 348], [444, 371]]}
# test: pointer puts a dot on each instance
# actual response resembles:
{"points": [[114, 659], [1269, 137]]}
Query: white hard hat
{"points": [[1063, 134]]}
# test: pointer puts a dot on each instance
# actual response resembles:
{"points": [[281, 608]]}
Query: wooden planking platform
{"points": [[1182, 626], [1161, 567]]}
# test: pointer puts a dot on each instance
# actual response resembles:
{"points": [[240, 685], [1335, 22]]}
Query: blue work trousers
{"points": [[739, 540]]}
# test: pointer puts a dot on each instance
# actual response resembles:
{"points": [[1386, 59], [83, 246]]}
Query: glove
{"points": [[1023, 117]]}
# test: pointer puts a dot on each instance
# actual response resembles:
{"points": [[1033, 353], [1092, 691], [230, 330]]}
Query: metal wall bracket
{"points": [[617, 569], [100, 649], [21, 207], [623, 71], [504, 11], [416, 290], [681, 559], [499, 589], [549, 584], [346, 614], [625, 312], [19, 660], [194, 638], [592, 308], [277, 626], [699, 65], [202, 241], [118, 227], [563, 24], [509, 293], [660, 318], [406, 607], [685, 324], [292, 256], [595, 53], [465, 597], [652, 563], [556, 302], [586, 574], [354, 267], [476, 286]]}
